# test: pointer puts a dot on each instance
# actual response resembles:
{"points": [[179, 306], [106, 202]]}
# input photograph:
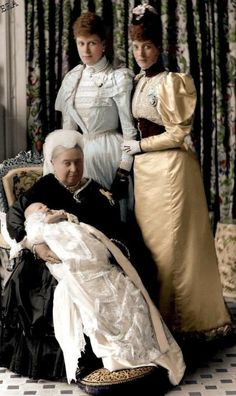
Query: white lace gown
{"points": [[96, 297]]}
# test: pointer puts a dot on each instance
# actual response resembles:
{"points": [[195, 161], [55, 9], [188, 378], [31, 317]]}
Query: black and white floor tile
{"points": [[214, 376]]}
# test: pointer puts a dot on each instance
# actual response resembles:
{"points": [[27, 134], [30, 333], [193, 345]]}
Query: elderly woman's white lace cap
{"points": [[60, 137]]}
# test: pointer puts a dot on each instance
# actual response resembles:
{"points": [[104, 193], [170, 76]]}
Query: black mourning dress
{"points": [[27, 342]]}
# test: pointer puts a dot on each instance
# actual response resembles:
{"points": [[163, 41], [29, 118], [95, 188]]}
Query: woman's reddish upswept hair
{"points": [[146, 25], [87, 24]]}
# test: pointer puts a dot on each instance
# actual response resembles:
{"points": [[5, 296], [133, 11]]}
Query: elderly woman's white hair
{"points": [[60, 138]]}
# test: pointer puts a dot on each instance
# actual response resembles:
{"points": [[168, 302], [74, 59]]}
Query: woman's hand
{"points": [[120, 184], [42, 251], [131, 147]]}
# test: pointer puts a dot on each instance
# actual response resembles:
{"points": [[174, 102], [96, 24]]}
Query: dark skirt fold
{"points": [[27, 342]]}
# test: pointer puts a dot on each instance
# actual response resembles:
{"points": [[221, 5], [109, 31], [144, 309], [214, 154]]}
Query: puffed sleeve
{"points": [[123, 86], [176, 104], [123, 82], [67, 89]]}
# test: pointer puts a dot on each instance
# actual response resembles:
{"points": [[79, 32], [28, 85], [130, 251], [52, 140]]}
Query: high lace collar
{"points": [[155, 69], [97, 67]]}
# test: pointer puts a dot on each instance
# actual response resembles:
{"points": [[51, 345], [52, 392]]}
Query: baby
{"points": [[48, 215], [96, 297]]}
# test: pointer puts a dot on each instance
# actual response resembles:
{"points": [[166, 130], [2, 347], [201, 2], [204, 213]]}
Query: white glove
{"points": [[131, 147]]}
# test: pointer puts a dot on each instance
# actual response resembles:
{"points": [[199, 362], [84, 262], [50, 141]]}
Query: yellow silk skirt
{"points": [[171, 210]]}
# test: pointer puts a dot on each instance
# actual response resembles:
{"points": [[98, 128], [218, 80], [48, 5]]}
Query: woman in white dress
{"points": [[100, 298], [95, 99]]}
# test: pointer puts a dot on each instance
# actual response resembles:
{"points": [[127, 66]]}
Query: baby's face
{"points": [[37, 207]]}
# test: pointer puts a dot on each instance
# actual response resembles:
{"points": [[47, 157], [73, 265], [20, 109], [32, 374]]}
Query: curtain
{"points": [[198, 37], [48, 44]]}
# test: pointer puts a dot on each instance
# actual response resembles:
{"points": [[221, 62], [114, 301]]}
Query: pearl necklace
{"points": [[73, 188]]}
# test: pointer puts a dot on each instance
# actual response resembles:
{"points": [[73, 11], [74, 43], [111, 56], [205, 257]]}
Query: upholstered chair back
{"points": [[18, 180], [17, 175]]}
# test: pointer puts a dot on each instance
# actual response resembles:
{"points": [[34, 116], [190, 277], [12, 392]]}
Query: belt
{"points": [[95, 135], [148, 128]]}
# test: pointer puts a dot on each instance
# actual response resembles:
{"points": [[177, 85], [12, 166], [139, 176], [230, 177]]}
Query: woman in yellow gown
{"points": [[170, 203]]}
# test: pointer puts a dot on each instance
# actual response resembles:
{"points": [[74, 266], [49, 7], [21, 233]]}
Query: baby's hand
{"points": [[55, 216]]}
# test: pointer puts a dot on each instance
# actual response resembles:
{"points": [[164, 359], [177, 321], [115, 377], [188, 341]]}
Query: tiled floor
{"points": [[215, 376]]}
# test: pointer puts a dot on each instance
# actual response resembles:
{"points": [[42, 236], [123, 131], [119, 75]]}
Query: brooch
{"points": [[152, 99]]}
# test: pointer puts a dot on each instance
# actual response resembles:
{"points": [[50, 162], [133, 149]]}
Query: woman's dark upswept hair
{"points": [[146, 27], [87, 24]]}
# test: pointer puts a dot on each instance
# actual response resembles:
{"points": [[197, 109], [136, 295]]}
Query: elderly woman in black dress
{"points": [[30, 345]]}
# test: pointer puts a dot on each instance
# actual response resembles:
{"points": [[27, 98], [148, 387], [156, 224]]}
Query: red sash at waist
{"points": [[148, 128]]}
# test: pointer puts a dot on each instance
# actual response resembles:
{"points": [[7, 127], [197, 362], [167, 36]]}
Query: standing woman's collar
{"points": [[155, 69], [97, 67]]}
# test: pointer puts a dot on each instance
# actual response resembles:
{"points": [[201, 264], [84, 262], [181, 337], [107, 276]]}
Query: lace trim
{"points": [[206, 336]]}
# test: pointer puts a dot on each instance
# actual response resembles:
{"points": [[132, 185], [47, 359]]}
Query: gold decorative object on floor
{"points": [[104, 382]]}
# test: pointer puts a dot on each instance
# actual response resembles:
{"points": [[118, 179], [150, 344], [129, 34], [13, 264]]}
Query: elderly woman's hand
{"points": [[42, 251]]}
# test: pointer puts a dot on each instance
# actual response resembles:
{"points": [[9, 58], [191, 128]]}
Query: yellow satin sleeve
{"points": [[176, 104]]}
